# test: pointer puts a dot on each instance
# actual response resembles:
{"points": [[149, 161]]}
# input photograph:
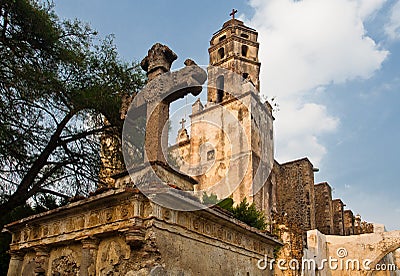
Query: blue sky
{"points": [[333, 66]]}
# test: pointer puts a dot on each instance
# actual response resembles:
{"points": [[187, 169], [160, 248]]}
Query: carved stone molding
{"points": [[210, 228], [76, 225]]}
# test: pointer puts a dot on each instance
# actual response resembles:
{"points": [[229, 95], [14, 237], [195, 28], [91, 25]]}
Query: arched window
{"points": [[222, 38], [221, 53], [220, 89], [244, 35], [245, 49]]}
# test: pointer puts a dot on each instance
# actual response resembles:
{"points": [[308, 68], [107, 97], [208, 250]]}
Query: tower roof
{"points": [[231, 22], [235, 29], [236, 22]]}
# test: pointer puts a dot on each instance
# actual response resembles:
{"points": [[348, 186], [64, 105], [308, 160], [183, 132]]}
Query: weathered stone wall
{"points": [[214, 148], [316, 250], [121, 233], [295, 206], [293, 245], [266, 201], [355, 255], [230, 151], [348, 222], [323, 208], [389, 259], [367, 227], [295, 193], [65, 260], [194, 253], [396, 258], [338, 217], [262, 145]]}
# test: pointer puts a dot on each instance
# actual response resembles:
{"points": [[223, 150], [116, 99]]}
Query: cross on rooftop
{"points": [[183, 121], [233, 13]]}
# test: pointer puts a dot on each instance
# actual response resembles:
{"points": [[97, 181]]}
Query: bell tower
{"points": [[230, 147], [235, 48]]}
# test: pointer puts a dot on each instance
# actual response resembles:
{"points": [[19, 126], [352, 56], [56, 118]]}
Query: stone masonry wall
{"points": [[338, 217], [323, 208], [348, 223], [120, 232], [295, 193], [295, 209]]}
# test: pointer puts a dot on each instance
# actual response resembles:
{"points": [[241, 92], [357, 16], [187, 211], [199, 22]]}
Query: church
{"points": [[151, 221]]}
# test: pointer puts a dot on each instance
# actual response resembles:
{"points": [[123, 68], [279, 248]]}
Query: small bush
{"points": [[209, 199], [244, 211], [249, 215]]}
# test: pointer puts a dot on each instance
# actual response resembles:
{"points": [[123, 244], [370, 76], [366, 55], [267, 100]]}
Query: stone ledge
{"points": [[78, 204]]}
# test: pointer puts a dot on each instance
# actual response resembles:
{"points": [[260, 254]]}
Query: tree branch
{"points": [[83, 135], [23, 193], [47, 191]]}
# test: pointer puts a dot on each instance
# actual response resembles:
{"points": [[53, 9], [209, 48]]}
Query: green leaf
{"points": [[226, 203]]}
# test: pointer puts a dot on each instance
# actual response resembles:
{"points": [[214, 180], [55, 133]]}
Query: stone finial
{"points": [[197, 106], [158, 60], [189, 62]]}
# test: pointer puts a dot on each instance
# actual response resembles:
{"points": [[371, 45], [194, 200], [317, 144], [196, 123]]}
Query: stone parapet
{"points": [[121, 230]]}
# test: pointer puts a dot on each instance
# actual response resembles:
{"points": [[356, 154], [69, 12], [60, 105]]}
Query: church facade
{"points": [[234, 111], [228, 152]]}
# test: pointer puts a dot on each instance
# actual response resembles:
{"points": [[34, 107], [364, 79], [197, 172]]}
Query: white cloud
{"points": [[392, 28], [306, 45], [298, 129], [368, 7]]}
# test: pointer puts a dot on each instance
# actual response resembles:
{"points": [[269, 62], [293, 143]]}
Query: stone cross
{"points": [[233, 13], [162, 89], [183, 121]]}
